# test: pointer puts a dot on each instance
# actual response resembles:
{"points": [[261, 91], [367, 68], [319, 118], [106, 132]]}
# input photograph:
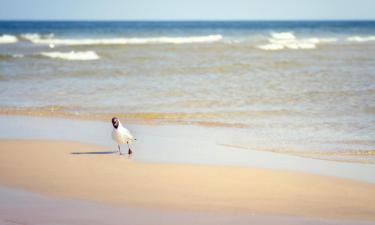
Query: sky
{"points": [[187, 9]]}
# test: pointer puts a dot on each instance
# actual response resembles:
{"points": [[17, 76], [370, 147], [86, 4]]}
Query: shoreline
{"points": [[51, 168], [151, 119], [177, 144]]}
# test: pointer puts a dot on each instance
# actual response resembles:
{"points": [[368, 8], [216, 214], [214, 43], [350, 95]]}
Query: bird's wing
{"points": [[127, 134]]}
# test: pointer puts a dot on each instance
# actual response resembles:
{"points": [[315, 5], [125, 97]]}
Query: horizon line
{"points": [[187, 20]]}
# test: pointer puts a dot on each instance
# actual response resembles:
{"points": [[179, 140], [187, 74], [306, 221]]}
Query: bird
{"points": [[121, 135]]}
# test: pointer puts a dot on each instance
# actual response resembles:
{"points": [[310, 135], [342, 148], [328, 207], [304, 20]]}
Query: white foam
{"points": [[87, 55], [271, 47], [37, 39], [8, 39], [30, 36], [283, 35], [361, 39], [321, 40], [287, 40], [34, 37]]}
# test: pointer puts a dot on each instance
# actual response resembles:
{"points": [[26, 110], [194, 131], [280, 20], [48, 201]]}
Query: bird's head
{"points": [[115, 122]]}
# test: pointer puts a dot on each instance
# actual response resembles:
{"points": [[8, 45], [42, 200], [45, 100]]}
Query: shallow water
{"points": [[300, 87]]}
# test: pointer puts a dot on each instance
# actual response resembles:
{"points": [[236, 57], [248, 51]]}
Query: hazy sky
{"points": [[186, 10]]}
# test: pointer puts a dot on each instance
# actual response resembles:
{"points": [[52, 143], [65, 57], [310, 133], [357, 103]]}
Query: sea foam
{"points": [[87, 55], [283, 36], [361, 39], [287, 40], [8, 39], [38, 39]]}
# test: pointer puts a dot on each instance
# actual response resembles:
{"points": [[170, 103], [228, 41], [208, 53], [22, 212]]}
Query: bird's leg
{"points": [[129, 151], [119, 151]]}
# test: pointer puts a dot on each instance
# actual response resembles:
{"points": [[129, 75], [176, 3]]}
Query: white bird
{"points": [[121, 135]]}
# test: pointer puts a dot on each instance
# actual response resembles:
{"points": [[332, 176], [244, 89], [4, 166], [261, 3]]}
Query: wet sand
{"points": [[27, 208], [96, 173]]}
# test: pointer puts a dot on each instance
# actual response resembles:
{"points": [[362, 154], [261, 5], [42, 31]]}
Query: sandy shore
{"points": [[81, 171]]}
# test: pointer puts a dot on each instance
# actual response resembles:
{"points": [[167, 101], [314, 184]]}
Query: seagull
{"points": [[121, 135]]}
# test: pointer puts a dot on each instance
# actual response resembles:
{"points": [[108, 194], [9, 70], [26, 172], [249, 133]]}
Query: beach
{"points": [[88, 172], [237, 122], [96, 173]]}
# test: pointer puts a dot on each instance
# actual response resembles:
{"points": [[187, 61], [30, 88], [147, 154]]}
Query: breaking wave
{"points": [[87, 55], [50, 40], [8, 39], [361, 39], [276, 41], [287, 40]]}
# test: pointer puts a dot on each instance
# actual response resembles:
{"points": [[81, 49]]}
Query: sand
{"points": [[96, 173]]}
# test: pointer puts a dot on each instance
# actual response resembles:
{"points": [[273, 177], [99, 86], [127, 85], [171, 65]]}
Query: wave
{"points": [[283, 36], [8, 39], [35, 36], [361, 39], [87, 55], [287, 40], [276, 41], [50, 40]]}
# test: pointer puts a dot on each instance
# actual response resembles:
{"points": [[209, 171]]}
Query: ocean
{"points": [[295, 87]]}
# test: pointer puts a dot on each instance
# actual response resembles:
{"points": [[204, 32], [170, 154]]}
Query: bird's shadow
{"points": [[94, 153]]}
